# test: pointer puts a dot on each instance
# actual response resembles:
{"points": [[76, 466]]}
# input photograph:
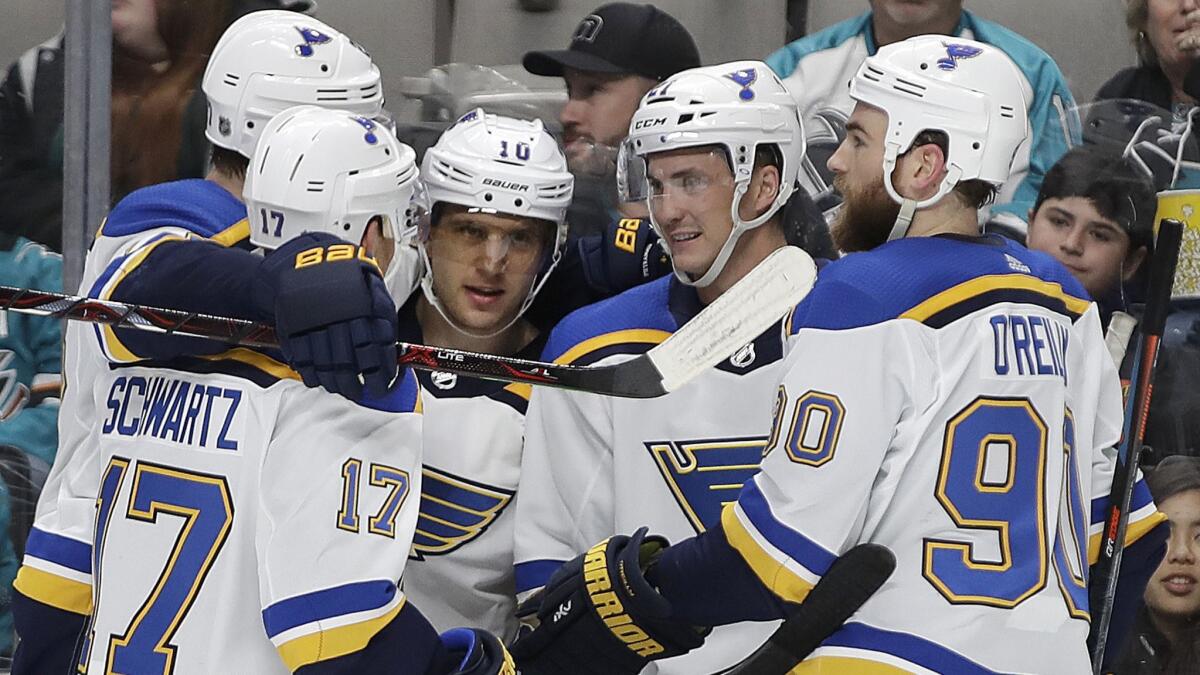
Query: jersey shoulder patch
{"points": [[629, 323]]}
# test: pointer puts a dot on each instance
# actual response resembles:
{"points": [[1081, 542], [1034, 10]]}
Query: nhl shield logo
{"points": [[588, 29], [224, 126], [743, 357]]}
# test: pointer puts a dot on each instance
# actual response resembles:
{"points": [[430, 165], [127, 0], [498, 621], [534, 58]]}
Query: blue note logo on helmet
{"points": [[369, 125], [745, 79], [311, 37], [956, 52]]}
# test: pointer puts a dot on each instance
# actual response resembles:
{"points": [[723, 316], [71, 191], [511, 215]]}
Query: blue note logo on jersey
{"points": [[454, 511], [745, 79], [311, 37], [955, 53], [369, 125], [705, 475]]}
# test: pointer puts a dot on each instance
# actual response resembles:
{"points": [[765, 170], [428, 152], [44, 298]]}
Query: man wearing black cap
{"points": [[617, 53]]}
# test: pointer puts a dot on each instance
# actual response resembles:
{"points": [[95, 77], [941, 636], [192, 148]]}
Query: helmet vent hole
{"points": [[685, 118], [1007, 111], [975, 145], [924, 66], [518, 203], [249, 124], [346, 227], [325, 69], [387, 151], [487, 197]]}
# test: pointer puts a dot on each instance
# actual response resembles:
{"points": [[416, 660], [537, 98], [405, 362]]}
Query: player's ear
{"points": [[764, 188], [928, 168]]}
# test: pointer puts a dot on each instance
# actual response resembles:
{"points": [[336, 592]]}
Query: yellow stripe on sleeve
{"points": [[50, 589], [330, 644], [844, 665], [232, 234], [778, 579], [993, 282], [1133, 532], [522, 390], [633, 335]]}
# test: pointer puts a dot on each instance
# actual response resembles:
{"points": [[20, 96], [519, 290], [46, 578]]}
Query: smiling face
{"points": [[1095, 249], [690, 195], [1173, 593], [484, 264]]}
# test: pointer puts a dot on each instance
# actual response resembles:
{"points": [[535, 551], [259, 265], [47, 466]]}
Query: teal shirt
{"points": [[30, 355]]}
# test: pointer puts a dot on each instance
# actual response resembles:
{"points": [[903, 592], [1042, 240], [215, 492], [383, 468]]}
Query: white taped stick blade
{"points": [[752, 305]]}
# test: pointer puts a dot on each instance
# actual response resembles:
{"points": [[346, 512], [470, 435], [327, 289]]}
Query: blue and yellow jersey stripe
{"points": [[57, 571], [859, 649], [333, 622], [785, 561]]}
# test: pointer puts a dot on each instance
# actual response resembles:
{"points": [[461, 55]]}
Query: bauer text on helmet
{"points": [[499, 190]]}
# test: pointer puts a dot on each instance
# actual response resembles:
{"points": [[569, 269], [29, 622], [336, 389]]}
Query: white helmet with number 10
{"points": [[739, 106], [497, 164], [269, 61]]}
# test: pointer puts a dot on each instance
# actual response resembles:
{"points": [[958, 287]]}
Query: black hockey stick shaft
{"points": [[630, 379], [851, 581], [1133, 431]]}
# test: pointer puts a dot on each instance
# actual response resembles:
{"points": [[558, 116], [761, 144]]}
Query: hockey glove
{"points": [[628, 254], [598, 614], [334, 318], [482, 653]]}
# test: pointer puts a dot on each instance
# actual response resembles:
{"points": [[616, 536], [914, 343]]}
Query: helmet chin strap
{"points": [[908, 207], [740, 227]]}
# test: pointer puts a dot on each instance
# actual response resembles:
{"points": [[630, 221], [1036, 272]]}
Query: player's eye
{"points": [[694, 184], [656, 186], [523, 239], [472, 231]]}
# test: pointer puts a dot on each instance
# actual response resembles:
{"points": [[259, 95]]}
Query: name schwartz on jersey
{"points": [[176, 410]]}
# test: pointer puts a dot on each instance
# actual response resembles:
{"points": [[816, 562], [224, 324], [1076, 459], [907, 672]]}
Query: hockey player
{"points": [[186, 244], [946, 395], [721, 145], [499, 189], [280, 510]]}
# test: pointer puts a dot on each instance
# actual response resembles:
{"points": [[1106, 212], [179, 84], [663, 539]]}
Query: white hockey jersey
{"points": [[596, 466], [214, 514], [461, 569], [951, 399]]}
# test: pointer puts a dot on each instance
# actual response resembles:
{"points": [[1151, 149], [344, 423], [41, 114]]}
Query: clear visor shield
{"points": [[477, 237], [631, 174], [689, 186]]}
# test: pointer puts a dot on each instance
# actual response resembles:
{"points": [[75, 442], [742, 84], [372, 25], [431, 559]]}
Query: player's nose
{"points": [[837, 162], [573, 113]]}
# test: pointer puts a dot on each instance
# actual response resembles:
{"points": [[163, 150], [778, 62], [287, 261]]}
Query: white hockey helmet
{"points": [[968, 90], [269, 61], [739, 106], [498, 164], [321, 170]]}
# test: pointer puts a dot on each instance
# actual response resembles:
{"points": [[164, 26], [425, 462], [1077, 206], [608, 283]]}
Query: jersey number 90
{"points": [[992, 480]]}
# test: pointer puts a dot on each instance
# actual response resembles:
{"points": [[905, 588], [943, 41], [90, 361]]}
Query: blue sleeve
{"points": [[49, 637], [408, 645], [193, 275], [685, 573], [1138, 563]]}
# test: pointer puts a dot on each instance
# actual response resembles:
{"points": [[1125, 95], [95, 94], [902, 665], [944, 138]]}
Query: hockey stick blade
{"points": [[1133, 430], [851, 581], [745, 310]]}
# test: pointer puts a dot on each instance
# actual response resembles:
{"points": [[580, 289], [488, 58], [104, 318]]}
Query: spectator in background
{"points": [[1166, 637], [1095, 215], [30, 386], [160, 48], [1166, 34], [817, 68], [617, 53]]}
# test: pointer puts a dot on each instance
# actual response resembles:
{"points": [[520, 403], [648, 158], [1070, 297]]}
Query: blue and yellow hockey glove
{"points": [[598, 614], [334, 318]]}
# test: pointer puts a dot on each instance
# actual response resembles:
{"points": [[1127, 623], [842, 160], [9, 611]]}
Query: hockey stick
{"points": [[850, 581], [742, 313], [1133, 430]]}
